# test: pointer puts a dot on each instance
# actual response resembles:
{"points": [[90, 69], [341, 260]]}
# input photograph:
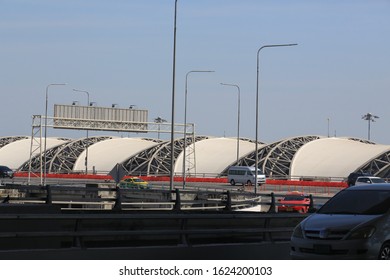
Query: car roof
{"points": [[377, 187], [295, 193]]}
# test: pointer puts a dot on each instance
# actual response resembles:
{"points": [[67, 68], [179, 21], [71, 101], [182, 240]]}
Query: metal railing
{"points": [[107, 198]]}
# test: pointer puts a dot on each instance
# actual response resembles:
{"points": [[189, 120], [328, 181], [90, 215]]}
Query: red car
{"points": [[294, 202]]}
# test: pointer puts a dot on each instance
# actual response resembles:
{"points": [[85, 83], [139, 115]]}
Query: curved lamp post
{"points": [[238, 118], [257, 104], [45, 144]]}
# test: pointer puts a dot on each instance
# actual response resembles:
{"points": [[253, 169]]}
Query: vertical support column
{"points": [[177, 206], [118, 200], [311, 204], [272, 208], [228, 206], [36, 145], [49, 197]]}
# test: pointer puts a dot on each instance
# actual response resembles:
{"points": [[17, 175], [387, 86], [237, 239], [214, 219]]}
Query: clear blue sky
{"points": [[121, 52]]}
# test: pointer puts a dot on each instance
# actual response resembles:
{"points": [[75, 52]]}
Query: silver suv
{"points": [[369, 180], [354, 224]]}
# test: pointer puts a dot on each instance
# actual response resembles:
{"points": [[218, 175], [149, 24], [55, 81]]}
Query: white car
{"points": [[354, 224], [368, 180]]}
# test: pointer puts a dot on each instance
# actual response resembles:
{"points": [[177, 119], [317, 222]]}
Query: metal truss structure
{"points": [[379, 166], [34, 164], [7, 140], [277, 163], [275, 159], [62, 158], [100, 118], [364, 141], [157, 160], [116, 126]]}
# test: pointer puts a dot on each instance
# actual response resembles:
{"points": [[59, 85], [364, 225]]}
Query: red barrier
{"points": [[190, 179], [269, 181], [307, 183], [66, 176]]}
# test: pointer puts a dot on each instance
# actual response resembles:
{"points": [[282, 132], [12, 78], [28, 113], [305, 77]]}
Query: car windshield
{"points": [[252, 172], [355, 202], [293, 197]]}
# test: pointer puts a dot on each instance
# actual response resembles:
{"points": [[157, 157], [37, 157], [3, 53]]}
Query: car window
{"points": [[378, 180], [363, 180], [363, 202]]}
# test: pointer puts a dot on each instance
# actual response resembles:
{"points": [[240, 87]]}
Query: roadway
{"points": [[254, 251]]}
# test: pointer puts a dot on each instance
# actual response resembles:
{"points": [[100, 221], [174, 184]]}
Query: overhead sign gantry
{"points": [[99, 119]]}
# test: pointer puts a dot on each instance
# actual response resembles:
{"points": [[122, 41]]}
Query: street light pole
{"points": [[185, 121], [370, 118], [238, 118], [45, 143], [173, 102], [86, 145], [257, 104], [159, 120]]}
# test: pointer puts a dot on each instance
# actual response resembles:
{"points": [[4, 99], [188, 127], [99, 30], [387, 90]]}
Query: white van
{"points": [[245, 175]]}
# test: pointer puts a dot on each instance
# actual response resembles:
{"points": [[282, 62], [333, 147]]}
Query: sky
{"points": [[122, 52]]}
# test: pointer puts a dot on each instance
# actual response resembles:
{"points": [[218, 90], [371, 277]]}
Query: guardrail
{"points": [[41, 232], [93, 197], [122, 198]]}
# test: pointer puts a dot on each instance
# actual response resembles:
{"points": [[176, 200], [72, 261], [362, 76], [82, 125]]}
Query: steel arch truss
{"points": [[275, 159], [7, 140], [61, 159], [379, 166], [250, 159], [157, 160], [36, 160], [64, 159], [364, 141], [278, 161]]}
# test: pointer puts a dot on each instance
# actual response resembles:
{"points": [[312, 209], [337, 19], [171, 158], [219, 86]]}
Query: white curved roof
{"points": [[214, 155], [324, 157], [17, 153], [104, 155], [333, 157]]}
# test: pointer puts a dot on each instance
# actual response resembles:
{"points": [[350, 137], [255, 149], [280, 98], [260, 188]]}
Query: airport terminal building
{"points": [[304, 157]]}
